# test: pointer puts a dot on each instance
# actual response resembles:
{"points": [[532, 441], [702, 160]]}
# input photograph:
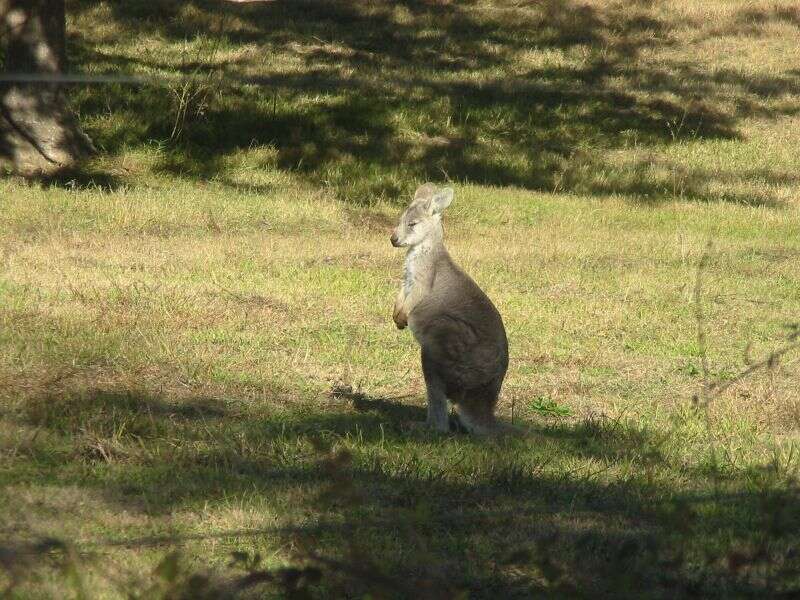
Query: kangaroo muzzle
{"points": [[395, 241]]}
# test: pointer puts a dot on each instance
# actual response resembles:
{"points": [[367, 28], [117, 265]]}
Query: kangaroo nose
{"points": [[394, 240]]}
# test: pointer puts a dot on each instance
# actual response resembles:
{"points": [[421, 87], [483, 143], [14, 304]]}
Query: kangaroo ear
{"points": [[426, 190], [441, 200]]}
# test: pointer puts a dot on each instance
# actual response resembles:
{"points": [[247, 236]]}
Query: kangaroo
{"points": [[460, 332]]}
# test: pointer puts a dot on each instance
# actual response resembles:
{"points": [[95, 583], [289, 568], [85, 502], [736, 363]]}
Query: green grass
{"points": [[654, 100], [196, 351]]}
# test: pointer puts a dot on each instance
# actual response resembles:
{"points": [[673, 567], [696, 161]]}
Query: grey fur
{"points": [[460, 332]]}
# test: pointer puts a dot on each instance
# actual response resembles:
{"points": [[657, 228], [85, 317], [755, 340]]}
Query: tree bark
{"points": [[38, 133]]}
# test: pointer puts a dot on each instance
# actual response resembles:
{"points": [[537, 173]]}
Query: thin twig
{"points": [[711, 390], [700, 317], [769, 361]]}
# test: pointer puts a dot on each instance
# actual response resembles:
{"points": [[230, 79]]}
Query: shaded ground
{"points": [[436, 514], [368, 98]]}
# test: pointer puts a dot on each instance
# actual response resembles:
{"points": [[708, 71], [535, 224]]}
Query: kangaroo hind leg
{"points": [[437, 397], [476, 410]]}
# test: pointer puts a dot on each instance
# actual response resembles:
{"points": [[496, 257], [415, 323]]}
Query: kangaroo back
{"points": [[463, 344]]}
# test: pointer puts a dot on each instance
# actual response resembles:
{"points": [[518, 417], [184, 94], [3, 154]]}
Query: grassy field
{"points": [[201, 389]]}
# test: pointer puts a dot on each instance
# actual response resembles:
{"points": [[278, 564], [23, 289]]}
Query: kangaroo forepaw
{"points": [[400, 319]]}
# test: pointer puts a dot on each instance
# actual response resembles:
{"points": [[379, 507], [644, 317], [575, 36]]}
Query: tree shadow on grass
{"points": [[387, 94], [77, 177], [538, 516]]}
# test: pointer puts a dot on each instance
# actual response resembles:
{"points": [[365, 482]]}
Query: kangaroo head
{"points": [[423, 217]]}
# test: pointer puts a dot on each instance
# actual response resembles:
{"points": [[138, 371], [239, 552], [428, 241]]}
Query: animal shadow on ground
{"points": [[391, 408]]}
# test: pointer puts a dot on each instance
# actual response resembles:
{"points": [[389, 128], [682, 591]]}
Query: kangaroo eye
{"points": [[412, 224]]}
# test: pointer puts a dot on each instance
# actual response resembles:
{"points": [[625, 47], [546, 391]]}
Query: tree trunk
{"points": [[38, 133]]}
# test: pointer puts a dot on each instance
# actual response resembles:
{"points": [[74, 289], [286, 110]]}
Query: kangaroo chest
{"points": [[418, 269]]}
